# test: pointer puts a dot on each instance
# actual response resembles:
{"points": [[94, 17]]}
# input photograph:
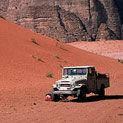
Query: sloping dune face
{"points": [[26, 58]]}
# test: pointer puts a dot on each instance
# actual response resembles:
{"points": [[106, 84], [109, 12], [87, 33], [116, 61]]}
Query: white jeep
{"points": [[79, 81]]}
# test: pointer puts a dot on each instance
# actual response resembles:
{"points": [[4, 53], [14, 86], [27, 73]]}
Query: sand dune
{"points": [[23, 81]]}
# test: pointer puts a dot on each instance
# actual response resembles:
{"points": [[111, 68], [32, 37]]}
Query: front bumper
{"points": [[65, 92]]}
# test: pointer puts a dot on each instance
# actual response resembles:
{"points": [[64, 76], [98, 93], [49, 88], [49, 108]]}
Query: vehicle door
{"points": [[91, 79]]}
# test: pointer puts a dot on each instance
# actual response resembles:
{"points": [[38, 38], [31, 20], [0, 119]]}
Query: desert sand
{"points": [[23, 82], [111, 48]]}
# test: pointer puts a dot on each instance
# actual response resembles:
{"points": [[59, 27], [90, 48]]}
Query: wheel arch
{"points": [[102, 86], [84, 87]]}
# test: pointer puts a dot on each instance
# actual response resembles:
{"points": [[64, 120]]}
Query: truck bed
{"points": [[102, 79]]}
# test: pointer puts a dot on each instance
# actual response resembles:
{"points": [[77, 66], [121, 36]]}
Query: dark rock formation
{"points": [[119, 4], [67, 20], [104, 33], [122, 30], [54, 22]]}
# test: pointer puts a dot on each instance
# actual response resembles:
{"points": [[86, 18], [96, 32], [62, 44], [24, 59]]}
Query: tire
{"points": [[81, 95], [102, 92], [55, 97]]}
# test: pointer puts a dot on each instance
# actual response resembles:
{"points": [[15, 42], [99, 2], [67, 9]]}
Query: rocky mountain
{"points": [[68, 20]]}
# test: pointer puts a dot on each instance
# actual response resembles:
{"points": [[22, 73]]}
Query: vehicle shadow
{"points": [[97, 98]]}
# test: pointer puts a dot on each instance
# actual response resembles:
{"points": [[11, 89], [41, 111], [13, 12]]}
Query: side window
{"points": [[65, 72], [91, 71]]}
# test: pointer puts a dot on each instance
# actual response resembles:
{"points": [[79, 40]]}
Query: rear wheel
{"points": [[81, 94], [102, 92]]}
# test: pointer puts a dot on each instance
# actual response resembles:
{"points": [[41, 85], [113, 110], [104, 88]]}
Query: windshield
{"points": [[74, 71]]}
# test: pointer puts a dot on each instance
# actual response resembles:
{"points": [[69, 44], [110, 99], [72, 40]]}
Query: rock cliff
{"points": [[104, 33], [68, 20], [119, 4]]}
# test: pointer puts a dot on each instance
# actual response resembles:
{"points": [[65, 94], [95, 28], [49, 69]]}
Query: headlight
{"points": [[58, 85], [72, 85]]}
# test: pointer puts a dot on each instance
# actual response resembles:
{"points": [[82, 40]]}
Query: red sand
{"points": [[23, 83]]}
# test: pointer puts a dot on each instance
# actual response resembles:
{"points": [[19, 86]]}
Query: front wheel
{"points": [[81, 95], [55, 97]]}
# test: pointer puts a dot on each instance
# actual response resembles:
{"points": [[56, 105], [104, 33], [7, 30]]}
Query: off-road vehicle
{"points": [[79, 81]]}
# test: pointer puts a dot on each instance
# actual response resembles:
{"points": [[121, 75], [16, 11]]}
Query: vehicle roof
{"points": [[79, 67]]}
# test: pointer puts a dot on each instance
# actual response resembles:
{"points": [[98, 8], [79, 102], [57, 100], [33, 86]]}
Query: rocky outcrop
{"points": [[104, 33], [66, 20], [122, 30], [119, 4], [56, 23]]}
